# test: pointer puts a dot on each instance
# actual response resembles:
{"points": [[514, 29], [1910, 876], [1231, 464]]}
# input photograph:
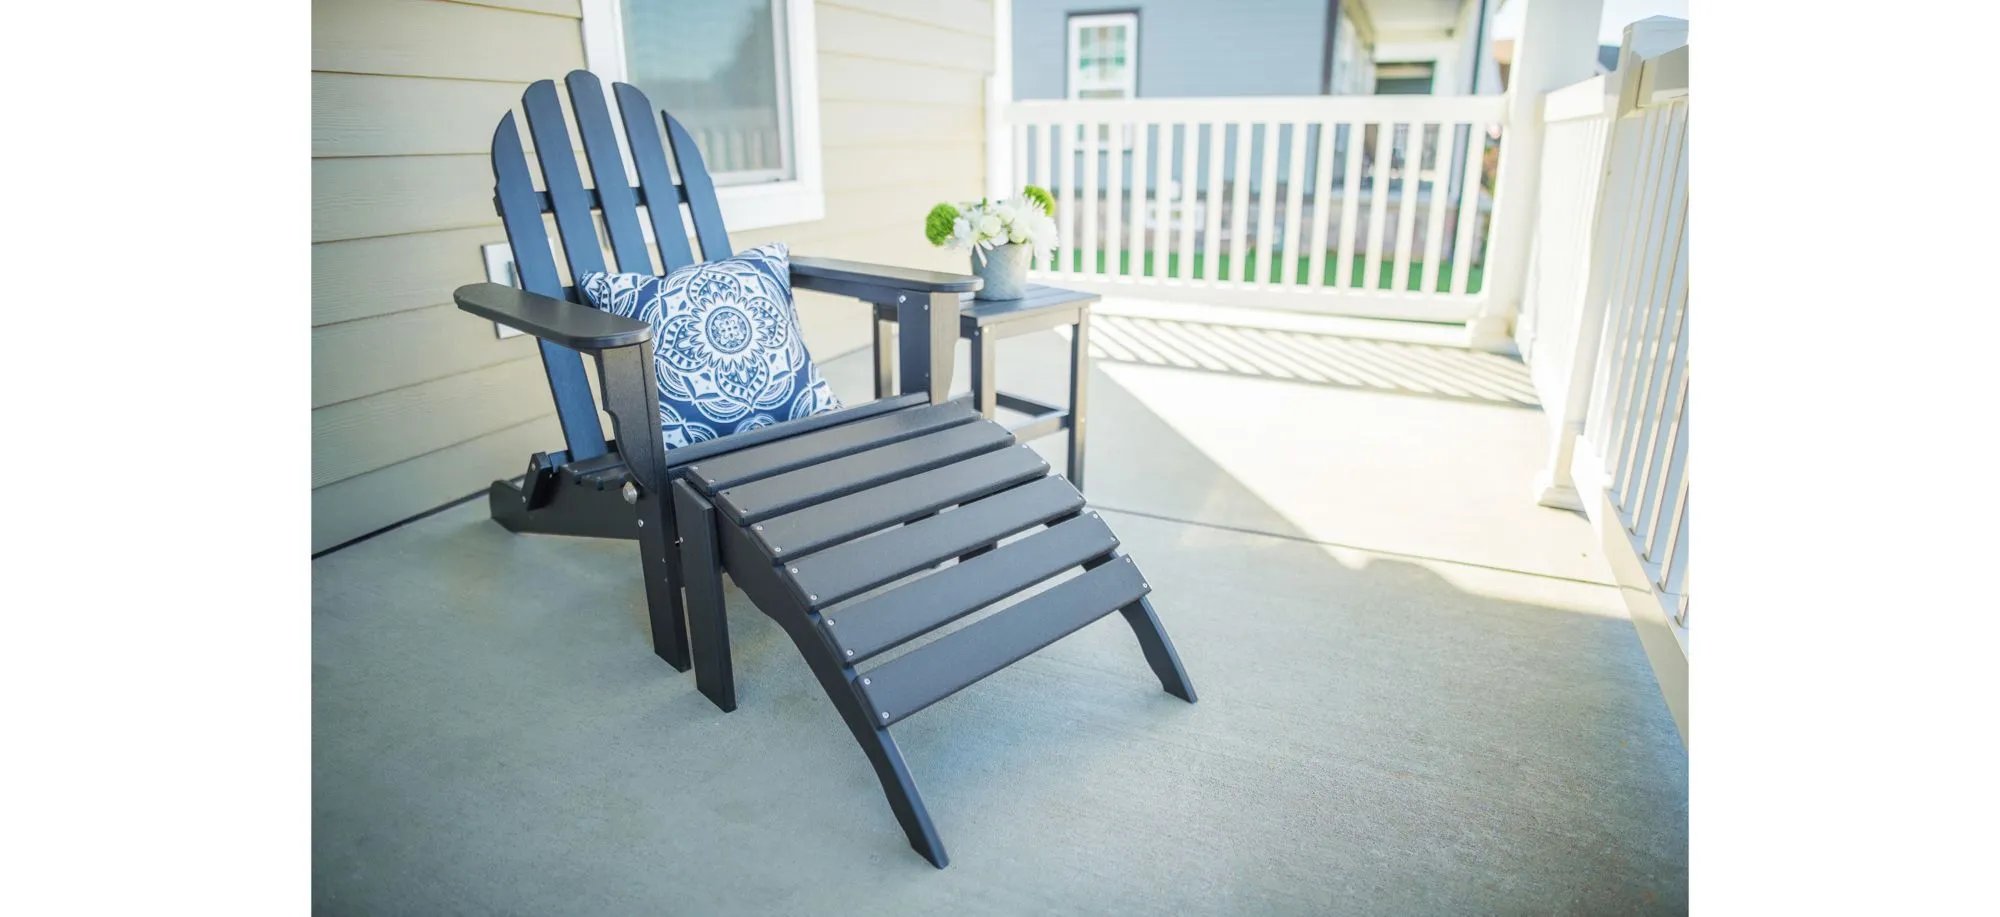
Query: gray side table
{"points": [[985, 322]]}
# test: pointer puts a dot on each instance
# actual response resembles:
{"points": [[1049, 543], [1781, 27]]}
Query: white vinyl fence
{"points": [[1606, 318], [1355, 205]]}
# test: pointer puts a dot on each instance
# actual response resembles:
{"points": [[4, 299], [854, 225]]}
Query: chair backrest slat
{"points": [[562, 192], [563, 181], [536, 265], [649, 159], [607, 171], [700, 191]]}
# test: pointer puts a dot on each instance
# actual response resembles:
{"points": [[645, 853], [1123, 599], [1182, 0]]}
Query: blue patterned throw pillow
{"points": [[727, 353]]}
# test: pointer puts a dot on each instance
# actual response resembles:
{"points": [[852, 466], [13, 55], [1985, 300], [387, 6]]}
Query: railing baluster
{"points": [[1064, 172], [1239, 201], [1322, 198], [1211, 202], [1114, 196], [1672, 460], [1662, 368], [1091, 206], [1434, 220], [1350, 205], [1406, 215], [1666, 292], [1141, 180], [1295, 195], [1624, 138], [1643, 228], [1462, 255], [1378, 203], [1673, 573], [1267, 203], [1189, 179], [1163, 178], [1022, 177], [1659, 246]]}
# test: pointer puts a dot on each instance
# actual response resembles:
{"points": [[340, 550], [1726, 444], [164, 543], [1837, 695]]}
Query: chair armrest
{"points": [[834, 275], [560, 321]]}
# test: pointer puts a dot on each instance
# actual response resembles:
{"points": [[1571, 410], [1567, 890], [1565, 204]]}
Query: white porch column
{"points": [[1000, 94], [1557, 46]]}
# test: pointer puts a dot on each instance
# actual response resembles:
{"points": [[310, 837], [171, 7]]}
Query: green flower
{"points": [[1040, 196], [938, 225]]}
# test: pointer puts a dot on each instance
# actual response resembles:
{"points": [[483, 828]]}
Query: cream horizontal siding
{"points": [[415, 403], [436, 38]]}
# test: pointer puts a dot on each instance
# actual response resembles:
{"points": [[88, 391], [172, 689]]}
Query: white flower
{"points": [[985, 225]]}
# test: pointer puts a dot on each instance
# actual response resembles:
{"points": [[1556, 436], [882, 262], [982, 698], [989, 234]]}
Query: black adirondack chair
{"points": [[805, 515]]}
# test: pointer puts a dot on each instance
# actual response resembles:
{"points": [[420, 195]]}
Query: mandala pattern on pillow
{"points": [[727, 353]]}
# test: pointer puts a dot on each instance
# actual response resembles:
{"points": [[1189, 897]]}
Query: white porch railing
{"points": [[1605, 321], [1355, 205]]}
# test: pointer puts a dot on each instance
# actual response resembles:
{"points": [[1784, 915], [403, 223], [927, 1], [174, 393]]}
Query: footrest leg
{"points": [[707, 617], [1158, 649], [901, 789]]}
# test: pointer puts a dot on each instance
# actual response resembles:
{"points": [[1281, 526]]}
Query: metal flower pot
{"points": [[1005, 270]]}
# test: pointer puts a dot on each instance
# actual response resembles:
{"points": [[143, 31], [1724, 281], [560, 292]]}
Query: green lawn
{"points": [[1226, 271]]}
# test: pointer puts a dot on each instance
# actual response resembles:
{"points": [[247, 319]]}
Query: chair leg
{"points": [[659, 561], [664, 607], [1158, 649], [707, 616], [1079, 396], [885, 357]]}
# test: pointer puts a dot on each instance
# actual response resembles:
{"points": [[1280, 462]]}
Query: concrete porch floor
{"points": [[1417, 694]]}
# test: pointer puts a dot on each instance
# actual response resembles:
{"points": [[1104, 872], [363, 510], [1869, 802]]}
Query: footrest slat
{"points": [[772, 496], [715, 474], [857, 566], [919, 607], [928, 674], [802, 532]]}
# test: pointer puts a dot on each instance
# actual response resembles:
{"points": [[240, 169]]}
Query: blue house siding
{"points": [[1272, 48], [1186, 47]]}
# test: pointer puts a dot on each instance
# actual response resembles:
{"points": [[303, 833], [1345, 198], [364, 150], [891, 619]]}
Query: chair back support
{"points": [[562, 192]]}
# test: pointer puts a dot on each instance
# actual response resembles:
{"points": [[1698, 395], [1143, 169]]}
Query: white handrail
{"points": [[1262, 109]]}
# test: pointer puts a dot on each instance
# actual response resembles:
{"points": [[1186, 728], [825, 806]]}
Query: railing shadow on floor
{"points": [[1316, 358]]}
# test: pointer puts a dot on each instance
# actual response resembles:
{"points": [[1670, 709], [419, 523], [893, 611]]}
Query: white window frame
{"points": [[1073, 85], [1094, 20], [753, 206]]}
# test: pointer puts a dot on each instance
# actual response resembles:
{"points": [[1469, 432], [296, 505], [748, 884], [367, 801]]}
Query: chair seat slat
{"points": [[823, 445], [839, 477], [850, 569], [923, 605], [847, 518]]}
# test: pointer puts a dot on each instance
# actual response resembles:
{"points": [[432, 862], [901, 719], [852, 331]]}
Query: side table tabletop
{"points": [[985, 322]]}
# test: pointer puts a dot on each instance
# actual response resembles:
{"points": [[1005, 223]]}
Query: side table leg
{"points": [[885, 358], [1079, 394], [985, 395]]}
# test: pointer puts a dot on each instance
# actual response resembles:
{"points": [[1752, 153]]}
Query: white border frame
{"points": [[756, 206]]}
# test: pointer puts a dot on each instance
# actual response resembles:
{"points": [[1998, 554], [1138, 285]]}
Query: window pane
{"points": [[719, 67]]}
